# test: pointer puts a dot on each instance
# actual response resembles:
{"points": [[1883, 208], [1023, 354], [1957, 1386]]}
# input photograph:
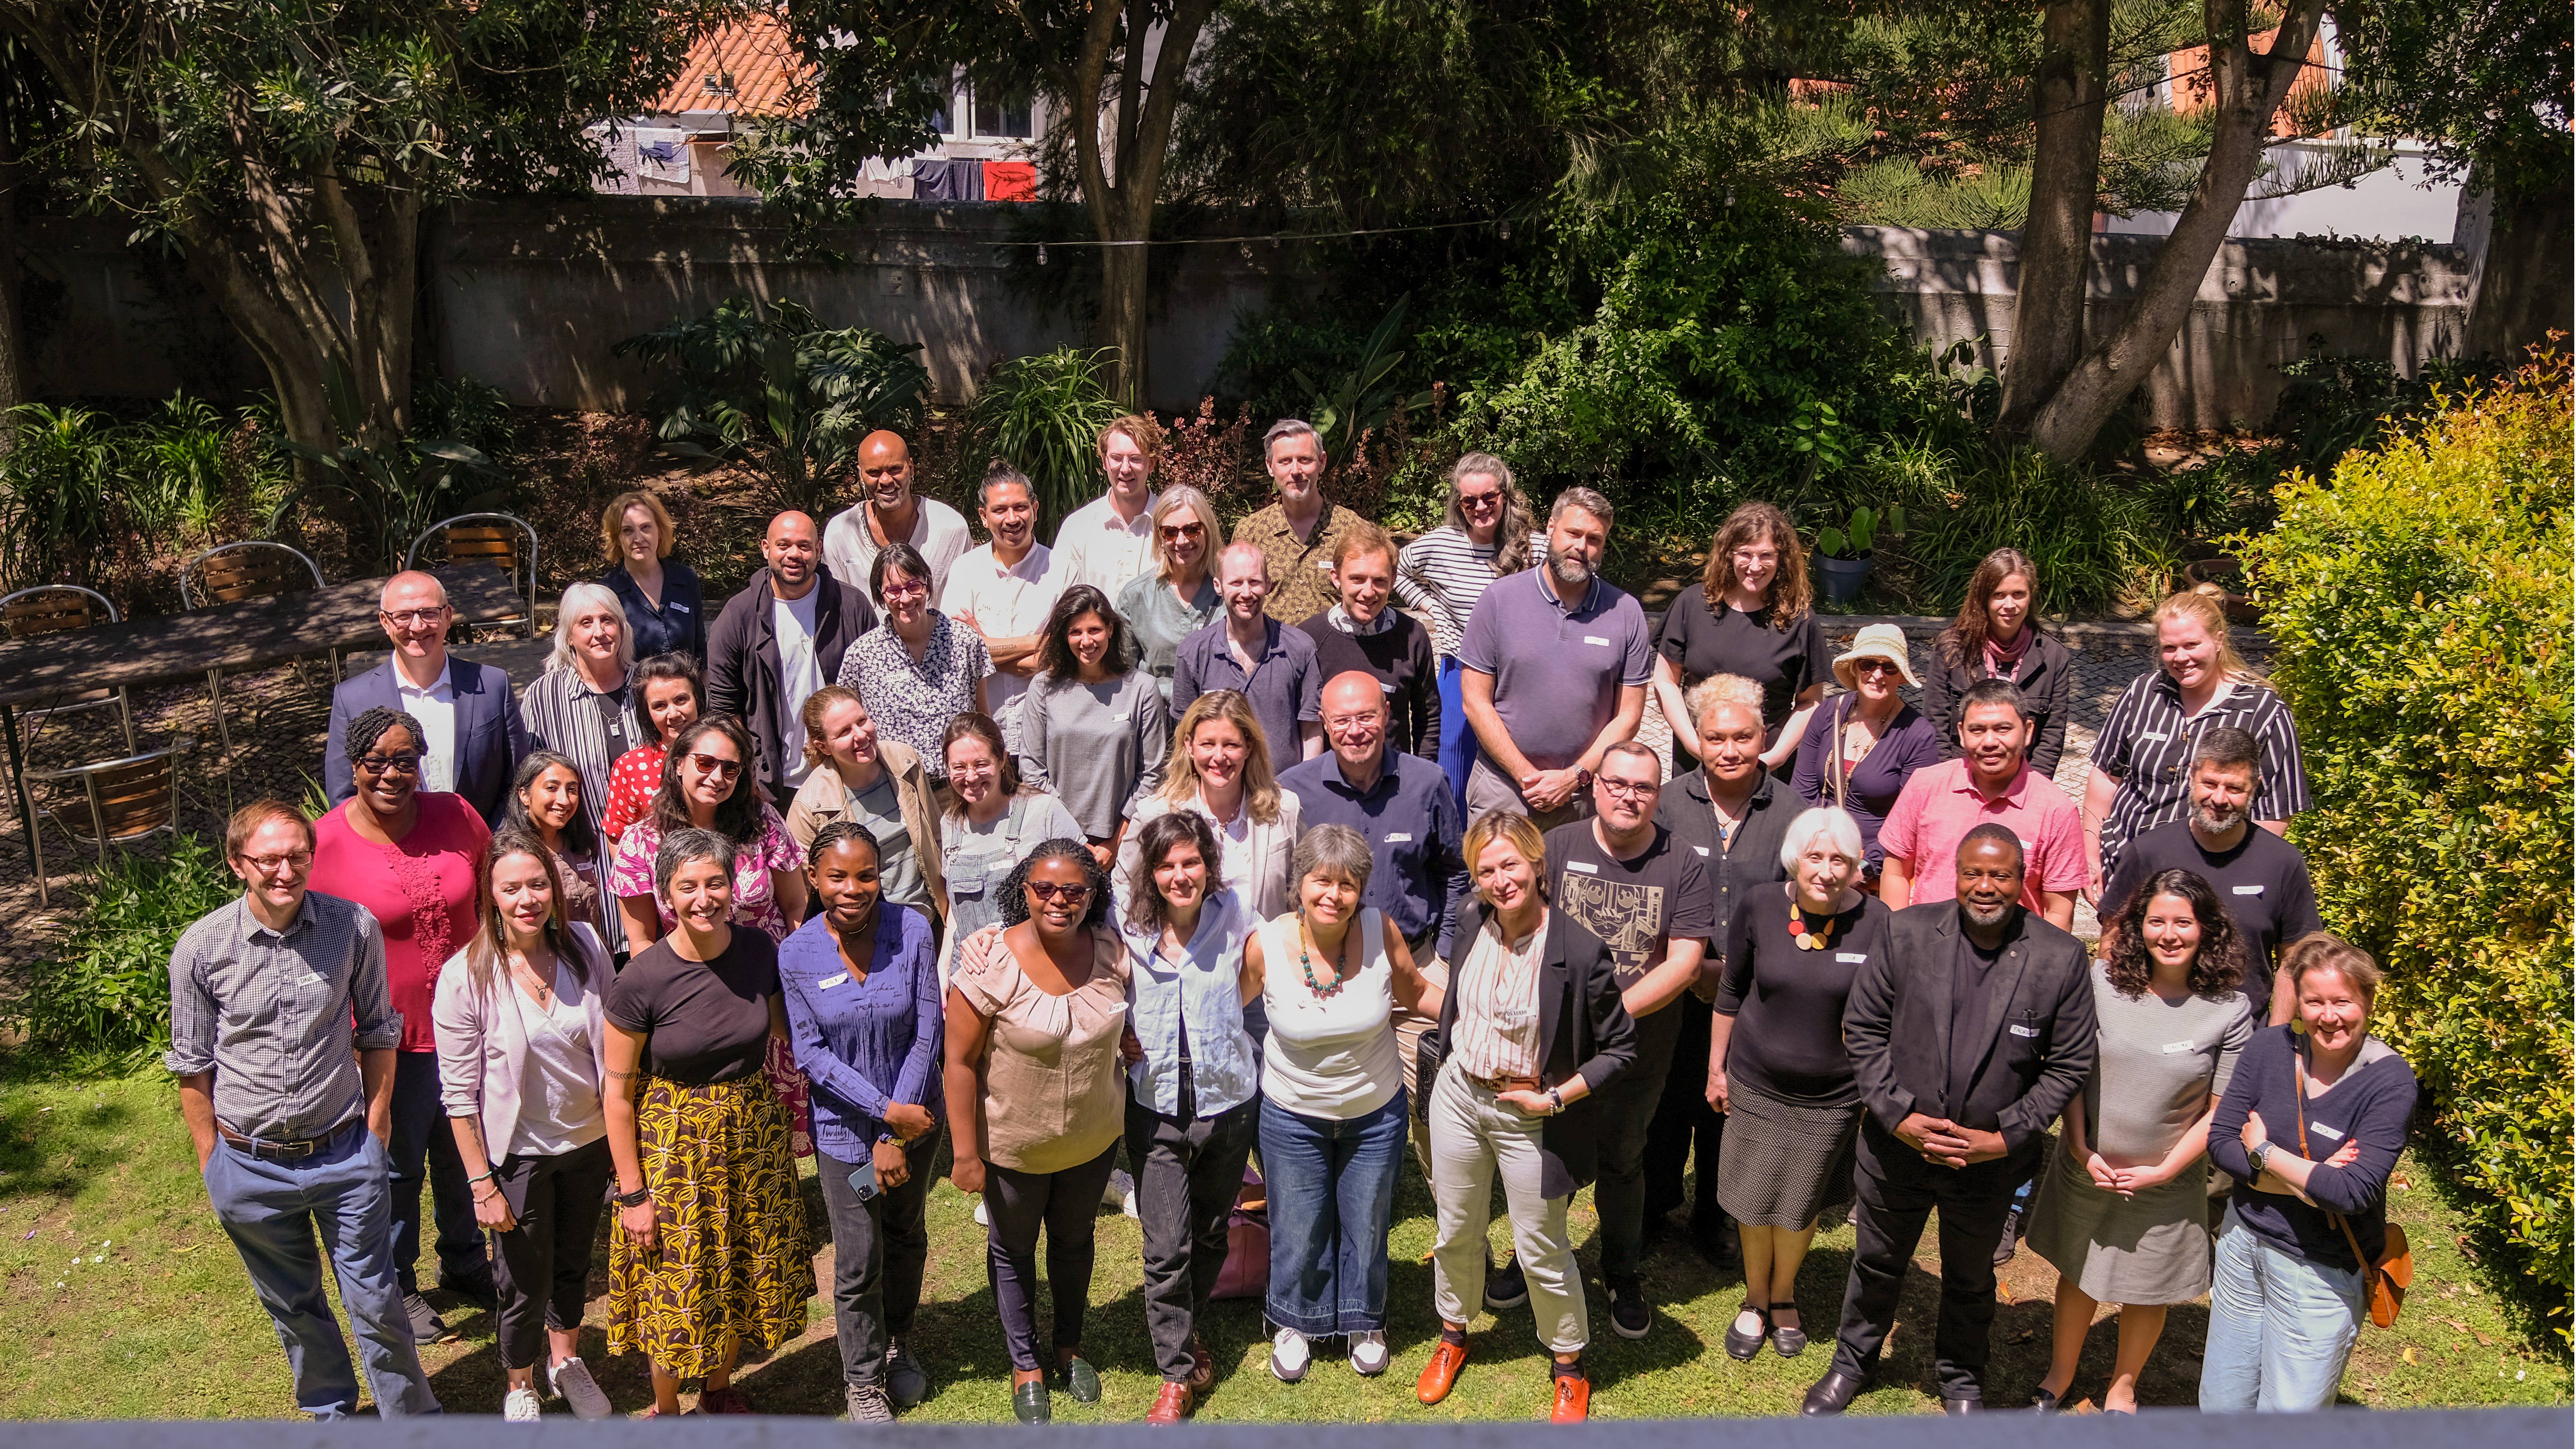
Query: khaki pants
{"points": [[1474, 1140]]}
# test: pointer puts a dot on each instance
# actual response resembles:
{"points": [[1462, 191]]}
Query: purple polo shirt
{"points": [[1557, 671], [1940, 805]]}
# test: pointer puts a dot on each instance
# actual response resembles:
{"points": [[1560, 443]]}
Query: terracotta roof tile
{"points": [[745, 69]]}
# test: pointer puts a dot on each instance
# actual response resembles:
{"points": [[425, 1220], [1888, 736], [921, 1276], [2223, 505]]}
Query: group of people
{"points": [[1205, 851]]}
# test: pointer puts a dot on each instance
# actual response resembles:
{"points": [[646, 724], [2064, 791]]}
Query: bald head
{"points": [[791, 548], [885, 465], [413, 613], [411, 584], [1354, 704]]}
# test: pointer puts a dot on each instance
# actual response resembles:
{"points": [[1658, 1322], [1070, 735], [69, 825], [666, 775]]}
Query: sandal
{"points": [[1787, 1342], [1742, 1347]]}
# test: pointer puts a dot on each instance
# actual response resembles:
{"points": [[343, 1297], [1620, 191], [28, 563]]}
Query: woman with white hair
{"points": [[1778, 1070], [584, 704]]}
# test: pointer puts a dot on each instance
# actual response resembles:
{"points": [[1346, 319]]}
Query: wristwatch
{"points": [[637, 1198], [2257, 1153]]}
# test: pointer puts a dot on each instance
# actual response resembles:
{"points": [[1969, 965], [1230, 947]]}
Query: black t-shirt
{"points": [[707, 1021], [2263, 882], [1635, 906], [1783, 661], [1788, 1003]]}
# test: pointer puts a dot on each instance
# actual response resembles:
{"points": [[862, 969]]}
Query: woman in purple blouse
{"points": [[1863, 745]]}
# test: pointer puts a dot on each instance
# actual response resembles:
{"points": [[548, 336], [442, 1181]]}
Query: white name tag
{"points": [[1579, 865], [1702, 849], [1401, 837], [677, 608], [312, 978], [1596, 639], [2249, 890], [2025, 1031], [828, 982], [2159, 737], [2179, 1046], [1851, 958], [2325, 1131]]}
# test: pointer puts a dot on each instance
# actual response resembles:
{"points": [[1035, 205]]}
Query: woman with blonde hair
{"points": [[2141, 776], [1220, 767], [1178, 597], [879, 783], [663, 601], [1751, 614]]}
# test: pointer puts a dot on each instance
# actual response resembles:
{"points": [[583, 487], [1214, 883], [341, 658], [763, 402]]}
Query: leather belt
{"points": [[272, 1148], [1500, 1085]]}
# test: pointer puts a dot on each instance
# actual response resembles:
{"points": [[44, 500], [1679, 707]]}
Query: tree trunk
{"points": [[1122, 318], [2067, 98], [13, 368], [2249, 91], [2522, 288]]}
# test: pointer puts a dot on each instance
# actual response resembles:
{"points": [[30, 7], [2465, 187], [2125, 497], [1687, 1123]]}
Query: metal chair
{"points": [[125, 801], [234, 572], [502, 540], [51, 608]]}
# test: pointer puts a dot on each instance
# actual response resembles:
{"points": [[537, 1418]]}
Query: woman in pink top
{"points": [[409, 856]]}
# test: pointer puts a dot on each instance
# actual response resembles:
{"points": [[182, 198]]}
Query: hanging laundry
{"points": [[934, 180], [1010, 181]]}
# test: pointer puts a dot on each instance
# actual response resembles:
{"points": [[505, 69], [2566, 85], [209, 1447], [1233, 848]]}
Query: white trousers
{"points": [[1472, 1139]]}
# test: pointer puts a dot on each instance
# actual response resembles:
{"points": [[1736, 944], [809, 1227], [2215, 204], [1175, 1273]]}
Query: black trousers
{"points": [[423, 1145], [879, 1249], [1897, 1191], [543, 1276], [1189, 1171], [1063, 1205], [1684, 1120]]}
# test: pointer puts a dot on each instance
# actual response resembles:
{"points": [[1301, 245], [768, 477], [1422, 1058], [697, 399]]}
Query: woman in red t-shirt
{"points": [[669, 689]]}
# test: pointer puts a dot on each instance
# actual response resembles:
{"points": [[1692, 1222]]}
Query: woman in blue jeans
{"points": [[1333, 1102], [2310, 1129]]}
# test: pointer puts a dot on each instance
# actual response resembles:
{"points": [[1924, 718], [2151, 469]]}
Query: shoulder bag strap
{"points": [[2299, 1081]]}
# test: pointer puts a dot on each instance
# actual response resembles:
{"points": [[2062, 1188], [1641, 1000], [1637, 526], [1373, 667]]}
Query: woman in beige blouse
{"points": [[1036, 1006]]}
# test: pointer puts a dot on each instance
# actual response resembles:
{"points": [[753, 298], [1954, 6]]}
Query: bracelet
{"points": [[1557, 1097], [486, 1177]]}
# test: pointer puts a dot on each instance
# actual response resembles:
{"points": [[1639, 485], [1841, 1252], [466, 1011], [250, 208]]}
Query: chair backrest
{"points": [[255, 569], [50, 608], [139, 796], [499, 539]]}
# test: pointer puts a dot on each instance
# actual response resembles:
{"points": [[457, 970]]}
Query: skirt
{"points": [[734, 1263], [1785, 1164], [2148, 1249], [788, 1080]]}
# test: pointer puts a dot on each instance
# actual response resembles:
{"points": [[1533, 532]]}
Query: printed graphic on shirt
{"points": [[1627, 916]]}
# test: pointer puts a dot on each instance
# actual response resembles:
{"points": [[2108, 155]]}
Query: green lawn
{"points": [[126, 1301]]}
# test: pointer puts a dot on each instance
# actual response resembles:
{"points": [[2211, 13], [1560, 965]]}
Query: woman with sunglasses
{"points": [[1486, 532], [1179, 597], [915, 670], [409, 856], [1092, 730], [705, 787], [670, 689], [1036, 1100], [1861, 746]]}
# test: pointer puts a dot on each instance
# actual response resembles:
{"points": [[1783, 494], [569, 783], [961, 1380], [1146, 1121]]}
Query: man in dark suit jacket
{"points": [[476, 736], [748, 676], [1971, 1030]]}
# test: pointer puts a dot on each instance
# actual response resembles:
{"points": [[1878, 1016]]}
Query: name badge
{"points": [[2157, 738], [312, 978], [2179, 1046], [2325, 1131], [1579, 865], [1324, 565], [1596, 639], [2254, 890], [2025, 1031], [828, 982], [1401, 837], [676, 607], [1702, 849], [1851, 958]]}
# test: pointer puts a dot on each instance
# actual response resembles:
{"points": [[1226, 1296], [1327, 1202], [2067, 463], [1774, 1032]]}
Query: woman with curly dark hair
{"points": [[1036, 1103], [1752, 614], [2123, 1210]]}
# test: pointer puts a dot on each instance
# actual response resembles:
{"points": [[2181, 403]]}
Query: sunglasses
{"points": [[1175, 532], [710, 765], [1878, 666], [1479, 500], [1072, 895]]}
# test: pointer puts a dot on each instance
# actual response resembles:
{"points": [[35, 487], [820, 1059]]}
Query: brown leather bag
{"points": [[2394, 1272]]}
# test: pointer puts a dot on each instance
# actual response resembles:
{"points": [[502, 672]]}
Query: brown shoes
{"points": [[1441, 1374], [1202, 1367], [1573, 1399], [1172, 1405]]}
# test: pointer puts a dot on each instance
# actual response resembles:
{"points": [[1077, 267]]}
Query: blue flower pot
{"points": [[1841, 577]]}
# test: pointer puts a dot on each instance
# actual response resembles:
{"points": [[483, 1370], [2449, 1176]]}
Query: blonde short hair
{"points": [[614, 516], [1141, 429], [1173, 500], [1512, 828], [1721, 689]]}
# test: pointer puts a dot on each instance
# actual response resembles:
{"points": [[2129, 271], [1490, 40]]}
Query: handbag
{"points": [[2386, 1279], [1246, 1273]]}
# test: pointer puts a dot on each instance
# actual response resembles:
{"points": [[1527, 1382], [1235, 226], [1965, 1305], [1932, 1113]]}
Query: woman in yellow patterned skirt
{"points": [[710, 1248]]}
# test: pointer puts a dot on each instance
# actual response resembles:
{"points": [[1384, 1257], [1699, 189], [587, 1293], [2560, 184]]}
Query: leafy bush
{"points": [[2335, 403], [101, 1003], [2092, 539], [85, 499], [2420, 604], [1043, 415]]}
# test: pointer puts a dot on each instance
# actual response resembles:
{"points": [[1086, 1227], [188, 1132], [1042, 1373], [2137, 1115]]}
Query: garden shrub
{"points": [[2420, 606], [101, 1001]]}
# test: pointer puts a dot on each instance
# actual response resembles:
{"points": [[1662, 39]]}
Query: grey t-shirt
{"points": [[898, 863], [1100, 747], [1557, 671], [2159, 1064]]}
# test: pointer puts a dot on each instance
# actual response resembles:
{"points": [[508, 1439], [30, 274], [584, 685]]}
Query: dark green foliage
{"points": [[2334, 404], [87, 500], [1043, 415], [101, 1003], [387, 495]]}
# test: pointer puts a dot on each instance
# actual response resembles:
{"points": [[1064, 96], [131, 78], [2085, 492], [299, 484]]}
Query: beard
{"points": [[2216, 819], [1982, 917], [1569, 569]]}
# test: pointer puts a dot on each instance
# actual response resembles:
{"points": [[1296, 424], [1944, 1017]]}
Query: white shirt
{"points": [[1006, 603], [938, 531], [1094, 547], [435, 708], [1333, 1056], [799, 675], [559, 1106]]}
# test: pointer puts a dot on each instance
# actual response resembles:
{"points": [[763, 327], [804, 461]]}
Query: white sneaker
{"points": [[1289, 1356], [1121, 1191], [521, 1406], [983, 1219], [571, 1382], [1368, 1353]]}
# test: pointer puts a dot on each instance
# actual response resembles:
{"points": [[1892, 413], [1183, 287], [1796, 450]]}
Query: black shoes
{"points": [[2011, 1243], [1504, 1285], [1785, 1341], [1745, 1347], [426, 1326], [1629, 1316], [1833, 1393], [1953, 1408]]}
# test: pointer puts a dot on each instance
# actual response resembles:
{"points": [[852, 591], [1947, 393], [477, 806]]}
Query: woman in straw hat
{"points": [[1861, 746]]}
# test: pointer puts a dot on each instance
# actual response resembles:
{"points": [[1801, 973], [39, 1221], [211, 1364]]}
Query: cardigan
{"points": [[823, 799], [2047, 679], [483, 1039]]}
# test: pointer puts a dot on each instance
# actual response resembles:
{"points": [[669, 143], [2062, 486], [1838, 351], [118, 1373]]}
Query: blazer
{"points": [[743, 668], [491, 735], [483, 1039], [1587, 1030], [820, 801], [2032, 1038], [2047, 680]]}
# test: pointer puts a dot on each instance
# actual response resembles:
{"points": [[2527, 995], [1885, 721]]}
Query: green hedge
{"points": [[2420, 604]]}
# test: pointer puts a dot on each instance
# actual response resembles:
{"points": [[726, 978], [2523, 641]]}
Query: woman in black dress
{"points": [[1751, 614], [1995, 637]]}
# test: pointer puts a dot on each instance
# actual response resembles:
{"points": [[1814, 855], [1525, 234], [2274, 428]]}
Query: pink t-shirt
{"points": [[1940, 806], [420, 889]]}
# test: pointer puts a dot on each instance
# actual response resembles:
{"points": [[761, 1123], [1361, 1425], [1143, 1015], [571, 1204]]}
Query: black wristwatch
{"points": [[637, 1198], [2256, 1155]]}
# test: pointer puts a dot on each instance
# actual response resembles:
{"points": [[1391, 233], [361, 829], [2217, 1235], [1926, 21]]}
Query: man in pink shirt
{"points": [[1991, 782]]}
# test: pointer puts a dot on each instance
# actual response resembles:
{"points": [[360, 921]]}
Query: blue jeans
{"points": [[1332, 1194], [1457, 739], [2280, 1328], [273, 1211]]}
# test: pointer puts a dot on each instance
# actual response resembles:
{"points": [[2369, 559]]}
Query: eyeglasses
{"points": [[1175, 532], [1628, 789], [906, 588], [710, 765], [1878, 666], [413, 618], [1072, 895], [1480, 501], [388, 764], [271, 864]]}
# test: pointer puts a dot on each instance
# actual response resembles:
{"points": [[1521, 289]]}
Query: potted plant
{"points": [[1843, 553]]}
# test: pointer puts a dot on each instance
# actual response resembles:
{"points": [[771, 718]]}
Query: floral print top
{"points": [[912, 700], [755, 873]]}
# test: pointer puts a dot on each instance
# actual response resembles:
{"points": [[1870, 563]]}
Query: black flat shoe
{"points": [[1832, 1394], [1787, 1342], [1953, 1408], [1743, 1347], [1077, 1377], [2042, 1402], [1029, 1402]]}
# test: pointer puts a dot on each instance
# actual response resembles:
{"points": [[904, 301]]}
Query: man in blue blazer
{"points": [[468, 710]]}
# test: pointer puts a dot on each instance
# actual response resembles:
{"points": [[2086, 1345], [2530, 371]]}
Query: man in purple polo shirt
{"points": [[1991, 782], [1557, 661]]}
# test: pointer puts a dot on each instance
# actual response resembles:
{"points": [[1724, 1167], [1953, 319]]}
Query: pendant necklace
{"points": [[1810, 938]]}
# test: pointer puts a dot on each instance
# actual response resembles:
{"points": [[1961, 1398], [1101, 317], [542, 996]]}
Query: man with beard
{"points": [[1557, 662], [892, 513], [777, 642], [2260, 878], [1299, 533], [1991, 783], [1970, 1031]]}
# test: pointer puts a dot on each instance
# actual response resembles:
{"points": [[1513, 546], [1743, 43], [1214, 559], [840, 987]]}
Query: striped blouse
{"points": [[2146, 745], [1497, 1024], [1441, 575], [564, 713]]}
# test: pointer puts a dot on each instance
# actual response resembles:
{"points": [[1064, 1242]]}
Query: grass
{"points": [[124, 1300]]}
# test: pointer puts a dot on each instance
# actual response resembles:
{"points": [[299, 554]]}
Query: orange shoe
{"points": [[1172, 1405], [1573, 1399], [1439, 1375]]}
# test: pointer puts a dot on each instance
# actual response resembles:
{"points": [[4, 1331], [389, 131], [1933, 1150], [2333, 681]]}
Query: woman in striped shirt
{"points": [[1486, 532], [2142, 763], [584, 704]]}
